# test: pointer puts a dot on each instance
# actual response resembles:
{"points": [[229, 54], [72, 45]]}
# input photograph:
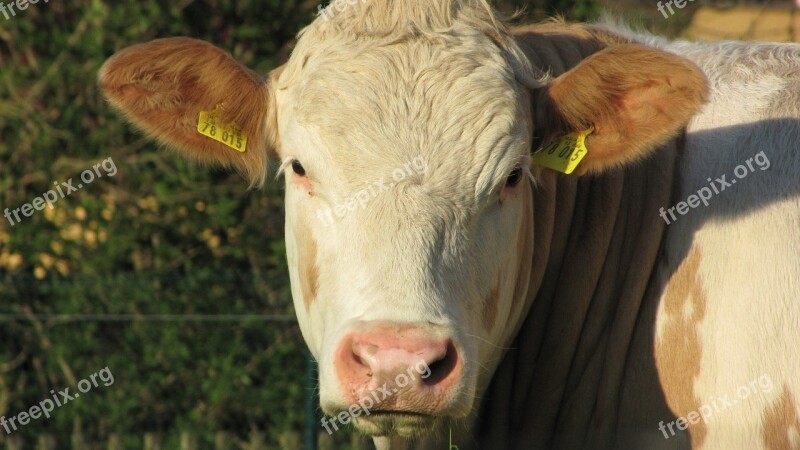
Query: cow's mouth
{"points": [[392, 423]]}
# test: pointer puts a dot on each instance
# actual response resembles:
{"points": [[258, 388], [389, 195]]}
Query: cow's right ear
{"points": [[163, 86]]}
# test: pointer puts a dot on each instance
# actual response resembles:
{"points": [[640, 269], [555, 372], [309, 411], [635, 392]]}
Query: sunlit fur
{"points": [[364, 94], [384, 83]]}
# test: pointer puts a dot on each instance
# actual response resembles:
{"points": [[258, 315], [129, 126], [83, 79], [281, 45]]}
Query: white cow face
{"points": [[405, 131], [408, 220]]}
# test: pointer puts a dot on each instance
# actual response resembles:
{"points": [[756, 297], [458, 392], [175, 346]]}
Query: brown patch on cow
{"points": [[490, 307], [523, 269], [523, 265], [307, 266], [679, 349], [780, 421], [525, 247]]}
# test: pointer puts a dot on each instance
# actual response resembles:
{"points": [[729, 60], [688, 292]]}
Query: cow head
{"points": [[405, 131]]}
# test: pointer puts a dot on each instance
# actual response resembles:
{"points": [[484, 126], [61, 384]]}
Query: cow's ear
{"points": [[634, 97], [163, 86]]}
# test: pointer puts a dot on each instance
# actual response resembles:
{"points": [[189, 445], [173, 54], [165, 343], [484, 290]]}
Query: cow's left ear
{"points": [[635, 98]]}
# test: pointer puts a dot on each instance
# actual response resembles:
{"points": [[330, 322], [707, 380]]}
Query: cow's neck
{"points": [[595, 244]]}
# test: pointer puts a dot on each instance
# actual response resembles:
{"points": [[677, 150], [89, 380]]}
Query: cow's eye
{"points": [[298, 168], [514, 177]]}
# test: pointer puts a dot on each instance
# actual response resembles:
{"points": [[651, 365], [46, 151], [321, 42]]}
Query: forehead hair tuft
{"points": [[370, 23], [402, 18]]}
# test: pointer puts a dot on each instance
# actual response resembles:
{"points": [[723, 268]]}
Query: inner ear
{"points": [[634, 97]]}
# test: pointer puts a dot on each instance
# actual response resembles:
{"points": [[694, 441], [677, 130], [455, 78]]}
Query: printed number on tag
{"points": [[565, 153], [229, 134]]}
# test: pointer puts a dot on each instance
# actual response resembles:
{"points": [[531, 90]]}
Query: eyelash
{"points": [[514, 177]]}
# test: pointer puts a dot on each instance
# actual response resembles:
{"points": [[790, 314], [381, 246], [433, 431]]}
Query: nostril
{"points": [[441, 368], [359, 361], [364, 353]]}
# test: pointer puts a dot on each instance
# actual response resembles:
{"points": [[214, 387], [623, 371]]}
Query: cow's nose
{"points": [[402, 367]]}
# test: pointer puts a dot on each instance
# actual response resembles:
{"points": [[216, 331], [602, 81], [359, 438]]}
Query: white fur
{"points": [[412, 253], [351, 117], [747, 236]]}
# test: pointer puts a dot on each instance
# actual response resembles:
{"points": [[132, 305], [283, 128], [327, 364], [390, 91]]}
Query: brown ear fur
{"points": [[162, 86], [635, 97]]}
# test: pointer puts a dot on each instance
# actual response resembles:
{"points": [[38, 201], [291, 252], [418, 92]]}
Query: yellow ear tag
{"points": [[229, 134], [565, 153]]}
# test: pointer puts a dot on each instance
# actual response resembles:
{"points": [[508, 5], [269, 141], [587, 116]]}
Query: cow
{"points": [[552, 236]]}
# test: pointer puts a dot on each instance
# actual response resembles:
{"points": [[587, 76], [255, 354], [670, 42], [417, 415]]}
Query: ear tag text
{"points": [[229, 134], [565, 153]]}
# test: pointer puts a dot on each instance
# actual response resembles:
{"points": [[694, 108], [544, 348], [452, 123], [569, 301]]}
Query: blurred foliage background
{"points": [[159, 237]]}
